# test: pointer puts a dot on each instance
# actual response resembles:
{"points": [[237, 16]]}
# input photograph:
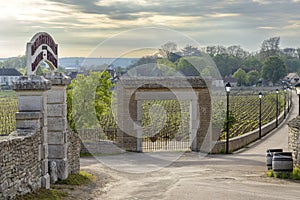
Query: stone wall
{"points": [[73, 153], [41, 135], [239, 142], [20, 163], [294, 140]]}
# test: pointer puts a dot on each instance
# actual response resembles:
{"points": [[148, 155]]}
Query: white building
{"points": [[8, 75]]}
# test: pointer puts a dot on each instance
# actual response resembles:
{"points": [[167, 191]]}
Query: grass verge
{"points": [[83, 178], [59, 193], [295, 175], [85, 154], [43, 194]]}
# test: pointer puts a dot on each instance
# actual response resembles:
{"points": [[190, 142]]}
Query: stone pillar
{"points": [[127, 119], [204, 129], [194, 123], [139, 127], [32, 101], [57, 123]]}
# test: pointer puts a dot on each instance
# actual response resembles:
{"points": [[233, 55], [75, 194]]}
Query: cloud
{"points": [[267, 27], [222, 15], [211, 21]]}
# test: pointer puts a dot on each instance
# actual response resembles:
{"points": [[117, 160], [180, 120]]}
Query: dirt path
{"points": [[192, 176]]}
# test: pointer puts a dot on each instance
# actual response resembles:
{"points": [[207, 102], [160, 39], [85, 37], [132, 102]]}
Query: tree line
{"points": [[270, 63]]}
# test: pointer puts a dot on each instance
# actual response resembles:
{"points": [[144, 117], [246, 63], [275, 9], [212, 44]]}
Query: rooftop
{"points": [[9, 72]]}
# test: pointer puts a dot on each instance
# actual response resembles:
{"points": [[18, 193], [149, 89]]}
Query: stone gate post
{"points": [[57, 122], [32, 114]]}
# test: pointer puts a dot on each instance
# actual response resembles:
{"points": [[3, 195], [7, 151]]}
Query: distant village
{"points": [[116, 67], [270, 66]]}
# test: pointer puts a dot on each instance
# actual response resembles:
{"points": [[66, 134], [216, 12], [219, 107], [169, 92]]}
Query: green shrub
{"points": [[295, 175], [83, 178]]}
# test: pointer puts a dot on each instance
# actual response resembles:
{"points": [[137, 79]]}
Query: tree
{"points": [[199, 62], [252, 63], [166, 49], [210, 71], [290, 52], [173, 57], [298, 53], [23, 70], [143, 61], [270, 47], [227, 64], [237, 51], [211, 50], [168, 67], [221, 62], [273, 69], [241, 76], [186, 68], [189, 50], [15, 62], [216, 50], [292, 64], [88, 97], [252, 77], [103, 94]]}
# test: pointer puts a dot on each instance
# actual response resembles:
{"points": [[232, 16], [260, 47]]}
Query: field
{"points": [[245, 111], [171, 118], [8, 108]]}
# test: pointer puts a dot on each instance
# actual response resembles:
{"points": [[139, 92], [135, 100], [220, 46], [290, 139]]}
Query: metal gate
{"points": [[166, 125]]}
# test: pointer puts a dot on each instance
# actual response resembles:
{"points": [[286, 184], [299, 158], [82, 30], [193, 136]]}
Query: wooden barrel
{"points": [[269, 157], [282, 162]]}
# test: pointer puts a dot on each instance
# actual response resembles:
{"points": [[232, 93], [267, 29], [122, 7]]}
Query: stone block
{"points": [[28, 115], [44, 120], [57, 95], [53, 172], [44, 135], [57, 151], [57, 137], [56, 110], [44, 153], [44, 166], [40, 152], [31, 83], [62, 168], [58, 78], [195, 124], [28, 124], [45, 181], [30, 103], [57, 124]]}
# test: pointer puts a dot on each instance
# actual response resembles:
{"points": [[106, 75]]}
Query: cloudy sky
{"points": [[78, 26]]}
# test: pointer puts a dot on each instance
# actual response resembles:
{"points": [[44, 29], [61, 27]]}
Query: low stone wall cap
{"points": [[58, 78], [160, 82], [32, 82]]}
